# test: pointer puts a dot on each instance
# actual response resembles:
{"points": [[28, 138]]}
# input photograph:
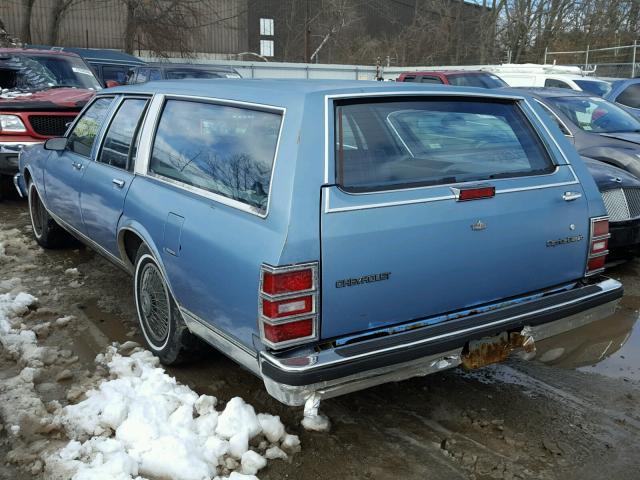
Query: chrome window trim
{"points": [[328, 99], [100, 130], [564, 125], [526, 113], [329, 209], [150, 128], [121, 99]]}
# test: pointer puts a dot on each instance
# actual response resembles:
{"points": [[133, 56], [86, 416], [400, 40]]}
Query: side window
{"points": [[630, 96], [119, 138], [227, 150], [409, 79], [85, 130], [550, 82], [430, 80], [143, 75], [154, 74], [119, 74]]}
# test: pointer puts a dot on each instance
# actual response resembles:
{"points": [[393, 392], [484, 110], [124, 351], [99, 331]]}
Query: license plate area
{"points": [[496, 349]]}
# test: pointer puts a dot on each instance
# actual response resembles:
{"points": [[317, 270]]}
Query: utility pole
{"points": [[307, 35]]}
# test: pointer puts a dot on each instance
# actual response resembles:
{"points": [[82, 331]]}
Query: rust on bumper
{"points": [[488, 350]]}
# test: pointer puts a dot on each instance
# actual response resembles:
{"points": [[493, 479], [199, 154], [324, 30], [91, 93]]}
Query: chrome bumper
{"points": [[18, 182], [329, 373]]}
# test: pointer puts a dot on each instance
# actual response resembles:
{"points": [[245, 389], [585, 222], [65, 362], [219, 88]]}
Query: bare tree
{"points": [[60, 9], [25, 30]]}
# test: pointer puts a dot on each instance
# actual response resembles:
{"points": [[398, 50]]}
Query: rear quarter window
{"points": [[386, 145], [225, 150]]}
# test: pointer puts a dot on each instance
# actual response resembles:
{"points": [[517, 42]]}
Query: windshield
{"points": [[179, 74], [38, 72], [597, 87], [401, 144], [477, 80], [596, 115]]}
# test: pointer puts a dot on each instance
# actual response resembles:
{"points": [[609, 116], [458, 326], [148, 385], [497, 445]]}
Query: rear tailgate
{"points": [[398, 244]]}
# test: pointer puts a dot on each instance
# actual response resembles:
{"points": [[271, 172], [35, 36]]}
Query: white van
{"points": [[533, 75]]}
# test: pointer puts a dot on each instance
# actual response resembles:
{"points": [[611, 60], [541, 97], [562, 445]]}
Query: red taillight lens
{"points": [[285, 332], [600, 228], [287, 282], [288, 307], [288, 304], [598, 245], [596, 263], [475, 193]]}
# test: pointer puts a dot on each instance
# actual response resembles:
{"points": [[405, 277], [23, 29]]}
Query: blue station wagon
{"points": [[331, 236]]}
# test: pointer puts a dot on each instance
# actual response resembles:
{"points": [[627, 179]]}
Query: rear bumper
{"points": [[336, 371]]}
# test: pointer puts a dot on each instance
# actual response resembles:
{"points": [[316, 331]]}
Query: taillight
{"points": [[474, 193], [598, 245], [288, 307]]}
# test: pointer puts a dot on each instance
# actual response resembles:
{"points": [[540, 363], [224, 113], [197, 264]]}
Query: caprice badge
{"points": [[479, 225], [562, 241]]}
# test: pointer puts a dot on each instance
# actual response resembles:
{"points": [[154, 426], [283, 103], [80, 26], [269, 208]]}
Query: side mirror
{"points": [[57, 144], [111, 84]]}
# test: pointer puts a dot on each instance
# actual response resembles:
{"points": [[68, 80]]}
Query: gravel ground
{"points": [[576, 416]]}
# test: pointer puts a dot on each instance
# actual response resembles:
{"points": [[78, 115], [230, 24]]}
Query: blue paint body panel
{"points": [[212, 252]]}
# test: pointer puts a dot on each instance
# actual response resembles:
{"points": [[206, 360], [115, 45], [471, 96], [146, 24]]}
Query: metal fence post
{"points": [[586, 59], [633, 60], [544, 62]]}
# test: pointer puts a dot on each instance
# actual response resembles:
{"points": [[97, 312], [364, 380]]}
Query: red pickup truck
{"points": [[41, 91]]}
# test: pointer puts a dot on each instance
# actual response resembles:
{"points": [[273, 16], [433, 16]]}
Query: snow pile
{"points": [[20, 407], [143, 423], [19, 342]]}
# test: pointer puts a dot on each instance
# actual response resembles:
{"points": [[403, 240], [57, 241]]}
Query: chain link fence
{"points": [[611, 62]]}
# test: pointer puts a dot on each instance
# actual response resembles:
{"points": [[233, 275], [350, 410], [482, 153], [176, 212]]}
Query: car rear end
{"points": [[621, 195], [454, 229]]}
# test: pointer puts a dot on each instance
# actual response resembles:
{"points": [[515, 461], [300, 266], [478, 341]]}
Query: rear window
{"points": [[388, 145], [594, 87], [225, 150], [477, 80]]}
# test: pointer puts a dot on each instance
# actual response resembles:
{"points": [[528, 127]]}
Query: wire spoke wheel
{"points": [[154, 304]]}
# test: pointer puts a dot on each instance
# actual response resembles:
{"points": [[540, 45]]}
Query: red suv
{"points": [[41, 91], [460, 78]]}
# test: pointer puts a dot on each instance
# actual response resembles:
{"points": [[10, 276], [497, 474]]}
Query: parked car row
{"points": [[331, 236]]}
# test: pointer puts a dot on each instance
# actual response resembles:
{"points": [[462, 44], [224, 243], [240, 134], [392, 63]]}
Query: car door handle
{"points": [[77, 165], [118, 183], [570, 196]]}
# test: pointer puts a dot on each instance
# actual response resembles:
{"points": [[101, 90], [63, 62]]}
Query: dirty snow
{"points": [[141, 422], [138, 423]]}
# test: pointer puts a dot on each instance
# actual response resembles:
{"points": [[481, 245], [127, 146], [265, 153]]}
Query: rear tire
{"points": [[46, 231], [163, 328]]}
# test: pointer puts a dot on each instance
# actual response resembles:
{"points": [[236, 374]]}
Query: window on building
{"points": [[266, 26], [266, 48]]}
